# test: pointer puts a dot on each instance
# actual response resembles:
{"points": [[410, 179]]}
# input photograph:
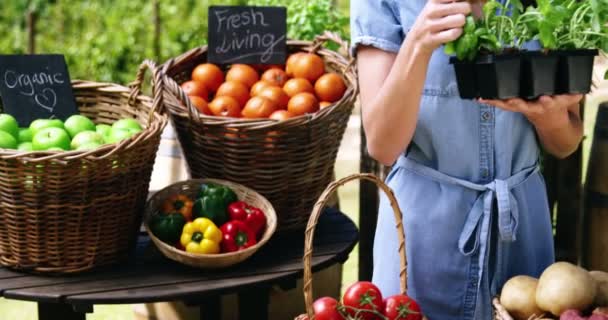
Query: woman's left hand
{"points": [[557, 120], [548, 112]]}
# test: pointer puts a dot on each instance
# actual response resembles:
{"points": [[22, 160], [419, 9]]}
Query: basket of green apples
{"points": [[72, 192]]}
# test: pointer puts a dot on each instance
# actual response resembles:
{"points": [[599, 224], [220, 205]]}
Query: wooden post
{"points": [[31, 31], [157, 25], [595, 242], [368, 214]]}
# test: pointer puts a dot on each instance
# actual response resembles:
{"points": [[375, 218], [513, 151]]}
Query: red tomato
{"points": [[401, 307], [326, 308], [363, 295]]}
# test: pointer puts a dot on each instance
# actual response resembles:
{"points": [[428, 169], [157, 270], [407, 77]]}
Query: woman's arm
{"points": [[557, 121], [391, 84]]}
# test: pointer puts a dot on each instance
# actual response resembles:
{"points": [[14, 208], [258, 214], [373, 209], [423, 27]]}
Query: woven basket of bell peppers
{"points": [[361, 300], [70, 205], [276, 129], [209, 223], [494, 58]]}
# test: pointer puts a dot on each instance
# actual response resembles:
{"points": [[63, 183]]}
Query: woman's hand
{"points": [[556, 119], [440, 22]]}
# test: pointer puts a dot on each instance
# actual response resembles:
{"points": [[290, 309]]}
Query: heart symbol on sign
{"points": [[47, 99]]}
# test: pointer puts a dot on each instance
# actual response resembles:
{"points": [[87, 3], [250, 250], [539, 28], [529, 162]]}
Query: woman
{"points": [[465, 172]]}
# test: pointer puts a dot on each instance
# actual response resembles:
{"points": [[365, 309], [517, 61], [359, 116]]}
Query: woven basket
{"points": [[288, 162], [190, 188], [312, 223], [500, 313], [65, 212]]}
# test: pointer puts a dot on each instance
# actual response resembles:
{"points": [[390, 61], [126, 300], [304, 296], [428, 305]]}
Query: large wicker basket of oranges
{"points": [[275, 129]]}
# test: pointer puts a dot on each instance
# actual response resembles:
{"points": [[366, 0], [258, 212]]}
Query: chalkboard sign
{"points": [[251, 35], [36, 87]]}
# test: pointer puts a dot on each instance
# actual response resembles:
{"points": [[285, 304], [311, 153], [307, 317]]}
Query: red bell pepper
{"points": [[250, 215], [236, 236]]}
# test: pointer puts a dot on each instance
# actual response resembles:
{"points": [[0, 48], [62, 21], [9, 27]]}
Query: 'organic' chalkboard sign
{"points": [[252, 35], [36, 87]]}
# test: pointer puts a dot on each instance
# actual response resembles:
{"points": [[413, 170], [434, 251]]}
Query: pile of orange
{"points": [[300, 87]]}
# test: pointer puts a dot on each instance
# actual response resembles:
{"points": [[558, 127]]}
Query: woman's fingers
{"points": [[445, 9], [447, 35], [448, 22]]}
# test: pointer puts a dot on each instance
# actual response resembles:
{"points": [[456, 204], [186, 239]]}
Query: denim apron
{"points": [[474, 203]]}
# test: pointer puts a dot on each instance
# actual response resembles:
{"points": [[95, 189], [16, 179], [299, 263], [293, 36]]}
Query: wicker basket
{"points": [[191, 188], [500, 313], [65, 212], [288, 162], [314, 218]]}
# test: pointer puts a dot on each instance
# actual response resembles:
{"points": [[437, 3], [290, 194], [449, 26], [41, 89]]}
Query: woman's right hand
{"points": [[440, 22]]}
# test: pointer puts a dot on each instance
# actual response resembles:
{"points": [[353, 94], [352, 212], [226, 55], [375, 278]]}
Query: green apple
{"points": [[128, 124], [55, 149], [103, 130], [7, 141], [49, 138], [89, 146], [117, 135], [41, 124], [78, 123], [24, 135], [86, 137], [25, 146], [9, 124]]}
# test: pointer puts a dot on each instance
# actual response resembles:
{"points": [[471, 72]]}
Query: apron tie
{"points": [[477, 224]]}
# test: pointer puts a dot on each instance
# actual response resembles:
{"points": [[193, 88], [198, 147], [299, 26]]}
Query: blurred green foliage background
{"points": [[105, 40]]}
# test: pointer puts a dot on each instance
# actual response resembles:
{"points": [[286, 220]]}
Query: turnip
{"points": [[564, 286], [601, 296], [518, 297]]}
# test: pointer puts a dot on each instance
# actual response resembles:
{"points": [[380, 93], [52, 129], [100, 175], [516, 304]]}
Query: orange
{"points": [[308, 66], [275, 76], [244, 74], [277, 95], [291, 61], [209, 74], [281, 115], [259, 107], [330, 87], [201, 105], [258, 86], [234, 89], [303, 103], [324, 104], [195, 88], [297, 85], [225, 106]]}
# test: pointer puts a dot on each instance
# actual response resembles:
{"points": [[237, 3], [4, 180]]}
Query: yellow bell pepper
{"points": [[201, 236]]}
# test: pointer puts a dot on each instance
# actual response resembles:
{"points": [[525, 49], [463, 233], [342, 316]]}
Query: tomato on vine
{"points": [[401, 307], [363, 300]]}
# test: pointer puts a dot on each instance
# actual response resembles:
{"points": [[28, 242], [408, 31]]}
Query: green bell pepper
{"points": [[212, 203], [167, 227]]}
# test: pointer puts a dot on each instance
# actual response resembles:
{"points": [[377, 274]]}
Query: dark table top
{"points": [[150, 277]]}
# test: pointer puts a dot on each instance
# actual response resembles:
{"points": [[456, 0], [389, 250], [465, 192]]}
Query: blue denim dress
{"points": [[474, 203]]}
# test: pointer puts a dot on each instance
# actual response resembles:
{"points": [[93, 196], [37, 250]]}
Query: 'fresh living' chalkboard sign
{"points": [[252, 35], [36, 87]]}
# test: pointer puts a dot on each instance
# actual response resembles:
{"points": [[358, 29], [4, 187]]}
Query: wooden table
{"points": [[149, 277]]}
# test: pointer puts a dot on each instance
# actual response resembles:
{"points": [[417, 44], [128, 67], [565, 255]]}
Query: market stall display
{"points": [[209, 223], [69, 211], [276, 140]]}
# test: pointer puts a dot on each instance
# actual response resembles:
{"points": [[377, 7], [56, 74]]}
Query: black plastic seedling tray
{"points": [[525, 75], [575, 71]]}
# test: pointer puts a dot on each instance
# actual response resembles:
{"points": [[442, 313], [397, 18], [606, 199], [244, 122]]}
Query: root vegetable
{"points": [[518, 296], [601, 296], [563, 286]]}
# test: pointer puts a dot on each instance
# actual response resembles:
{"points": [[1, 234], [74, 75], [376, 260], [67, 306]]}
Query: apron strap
{"points": [[478, 217]]}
